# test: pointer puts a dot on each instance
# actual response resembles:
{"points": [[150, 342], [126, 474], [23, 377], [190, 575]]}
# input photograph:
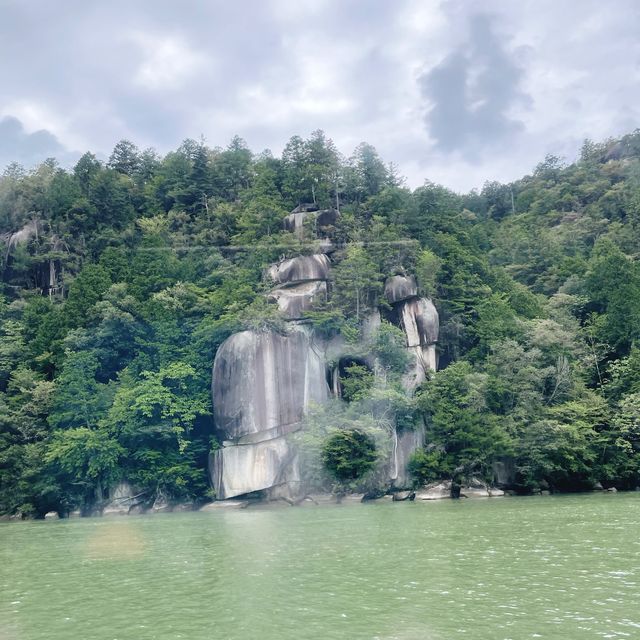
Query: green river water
{"points": [[565, 567]]}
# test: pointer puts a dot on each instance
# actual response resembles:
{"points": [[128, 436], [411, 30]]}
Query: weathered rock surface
{"points": [[266, 381], [406, 442], [424, 360], [122, 498], [300, 269], [402, 496], [480, 492], [440, 490], [225, 504], [399, 288], [21, 237], [322, 219], [504, 472], [419, 320], [51, 515], [241, 469], [294, 300], [435, 491]]}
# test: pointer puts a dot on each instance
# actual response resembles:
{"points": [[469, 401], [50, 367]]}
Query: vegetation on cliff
{"points": [[121, 279]]}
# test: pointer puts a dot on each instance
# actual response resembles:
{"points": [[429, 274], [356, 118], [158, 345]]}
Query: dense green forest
{"points": [[121, 279]]}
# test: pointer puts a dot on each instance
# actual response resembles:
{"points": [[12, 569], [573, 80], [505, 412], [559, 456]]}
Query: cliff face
{"points": [[264, 383]]}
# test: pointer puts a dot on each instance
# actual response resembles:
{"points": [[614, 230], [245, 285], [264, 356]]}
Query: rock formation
{"points": [[322, 220], [264, 383], [418, 318]]}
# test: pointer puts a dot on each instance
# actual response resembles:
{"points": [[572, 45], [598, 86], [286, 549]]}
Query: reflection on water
{"points": [[115, 540], [561, 567]]}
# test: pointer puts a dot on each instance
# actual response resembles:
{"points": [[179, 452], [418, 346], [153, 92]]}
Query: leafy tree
{"points": [[464, 437], [125, 158], [80, 401], [357, 281], [88, 457], [349, 455]]}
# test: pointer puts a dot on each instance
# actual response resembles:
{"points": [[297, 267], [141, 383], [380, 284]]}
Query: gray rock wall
{"points": [[398, 288], [300, 269], [295, 299], [264, 382]]}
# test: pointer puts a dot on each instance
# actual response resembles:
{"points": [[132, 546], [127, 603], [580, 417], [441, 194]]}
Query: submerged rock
{"points": [[401, 496], [225, 504], [435, 491]]}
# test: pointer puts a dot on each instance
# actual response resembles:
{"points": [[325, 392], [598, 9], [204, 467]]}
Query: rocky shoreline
{"points": [[428, 493]]}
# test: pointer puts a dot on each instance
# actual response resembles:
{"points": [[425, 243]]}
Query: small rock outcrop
{"points": [[322, 220]]}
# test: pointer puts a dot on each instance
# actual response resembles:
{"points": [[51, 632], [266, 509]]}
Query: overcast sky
{"points": [[457, 91]]}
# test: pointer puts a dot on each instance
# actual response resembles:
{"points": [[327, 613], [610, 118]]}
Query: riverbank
{"points": [[434, 492]]}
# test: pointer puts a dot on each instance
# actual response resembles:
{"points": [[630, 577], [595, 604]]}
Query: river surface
{"points": [[565, 567]]}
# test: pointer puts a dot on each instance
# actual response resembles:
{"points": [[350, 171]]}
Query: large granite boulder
{"points": [[295, 299], [300, 269], [419, 319], [424, 359], [399, 288], [264, 382], [245, 468]]}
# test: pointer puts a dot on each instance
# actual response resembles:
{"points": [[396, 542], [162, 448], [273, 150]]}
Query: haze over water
{"points": [[558, 567]]}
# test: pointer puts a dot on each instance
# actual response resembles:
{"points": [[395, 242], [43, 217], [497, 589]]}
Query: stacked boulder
{"points": [[301, 283], [322, 220], [263, 384], [418, 318]]}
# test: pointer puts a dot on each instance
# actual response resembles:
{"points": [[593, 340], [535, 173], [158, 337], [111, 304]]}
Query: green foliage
{"points": [[349, 455], [356, 382], [357, 281], [80, 401], [120, 281], [86, 455], [464, 436], [389, 346]]}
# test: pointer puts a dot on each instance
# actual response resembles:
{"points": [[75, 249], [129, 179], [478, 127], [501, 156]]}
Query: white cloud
{"points": [[168, 62], [157, 73]]}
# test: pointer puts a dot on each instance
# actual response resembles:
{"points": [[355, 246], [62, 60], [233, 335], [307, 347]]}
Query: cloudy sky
{"points": [[455, 91]]}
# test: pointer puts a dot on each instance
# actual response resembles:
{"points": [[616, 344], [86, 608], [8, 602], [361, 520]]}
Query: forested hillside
{"points": [[121, 280]]}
